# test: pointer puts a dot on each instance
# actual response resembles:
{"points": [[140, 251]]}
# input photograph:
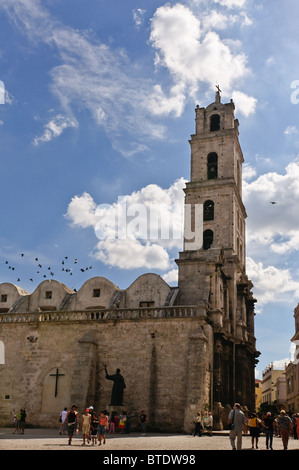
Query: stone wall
{"points": [[163, 361]]}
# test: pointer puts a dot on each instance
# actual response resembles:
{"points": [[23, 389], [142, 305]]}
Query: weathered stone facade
{"points": [[180, 350]]}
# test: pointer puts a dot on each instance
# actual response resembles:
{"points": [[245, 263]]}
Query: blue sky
{"points": [[98, 103]]}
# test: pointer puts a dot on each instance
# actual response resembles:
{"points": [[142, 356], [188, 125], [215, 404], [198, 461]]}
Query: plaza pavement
{"points": [[49, 439]]}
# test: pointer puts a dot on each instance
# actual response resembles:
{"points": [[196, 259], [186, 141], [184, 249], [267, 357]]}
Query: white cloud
{"points": [[81, 211], [290, 130], [214, 19], [248, 172], [193, 57], [272, 284], [54, 128], [273, 225], [95, 77], [171, 276], [231, 3], [91, 76], [138, 16], [245, 104], [138, 230], [132, 254]]}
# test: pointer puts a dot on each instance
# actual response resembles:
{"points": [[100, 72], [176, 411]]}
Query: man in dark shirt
{"points": [[142, 422], [268, 425]]}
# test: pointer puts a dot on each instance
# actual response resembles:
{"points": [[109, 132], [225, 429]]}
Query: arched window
{"points": [[212, 166], [208, 236], [208, 210], [215, 123]]}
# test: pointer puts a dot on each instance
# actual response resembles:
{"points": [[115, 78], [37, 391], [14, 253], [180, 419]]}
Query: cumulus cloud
{"points": [[191, 56], [248, 172], [272, 284], [245, 104], [137, 230], [273, 225], [171, 276]]}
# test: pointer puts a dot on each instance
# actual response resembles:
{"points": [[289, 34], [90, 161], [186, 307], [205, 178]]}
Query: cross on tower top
{"points": [[217, 99]]}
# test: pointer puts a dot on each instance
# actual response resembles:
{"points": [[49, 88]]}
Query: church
{"points": [[179, 350]]}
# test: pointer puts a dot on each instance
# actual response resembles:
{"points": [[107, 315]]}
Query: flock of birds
{"points": [[66, 266]]}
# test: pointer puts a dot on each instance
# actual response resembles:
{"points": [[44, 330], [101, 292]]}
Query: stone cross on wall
{"points": [[56, 381]]}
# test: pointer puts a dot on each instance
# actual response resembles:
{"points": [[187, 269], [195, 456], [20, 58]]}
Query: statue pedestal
{"points": [[119, 409]]}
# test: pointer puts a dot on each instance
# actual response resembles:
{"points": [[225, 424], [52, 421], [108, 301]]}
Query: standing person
{"points": [[112, 424], [142, 422], [269, 429], [116, 421], [71, 421], [93, 428], [63, 414], [128, 423], [22, 421], [254, 429], [198, 425], [18, 422], [285, 427], [297, 424], [210, 424], [294, 426], [14, 424], [122, 423], [236, 418], [102, 428], [86, 420]]}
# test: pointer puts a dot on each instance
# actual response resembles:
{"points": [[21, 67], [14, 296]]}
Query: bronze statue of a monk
{"points": [[117, 394]]}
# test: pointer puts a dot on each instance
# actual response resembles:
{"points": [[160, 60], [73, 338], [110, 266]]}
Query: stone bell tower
{"points": [[212, 274]]}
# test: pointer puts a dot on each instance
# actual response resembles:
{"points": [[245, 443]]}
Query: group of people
{"points": [[203, 424], [19, 420], [283, 426], [94, 426]]}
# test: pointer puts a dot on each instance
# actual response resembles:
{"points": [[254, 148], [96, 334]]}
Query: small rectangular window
{"points": [[4, 298], [96, 292], [146, 304], [48, 294]]}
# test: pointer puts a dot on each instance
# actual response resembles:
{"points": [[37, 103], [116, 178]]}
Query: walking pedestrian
{"points": [[86, 420], [268, 424], [71, 422], [63, 415], [102, 428], [285, 427], [254, 429], [236, 420]]}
